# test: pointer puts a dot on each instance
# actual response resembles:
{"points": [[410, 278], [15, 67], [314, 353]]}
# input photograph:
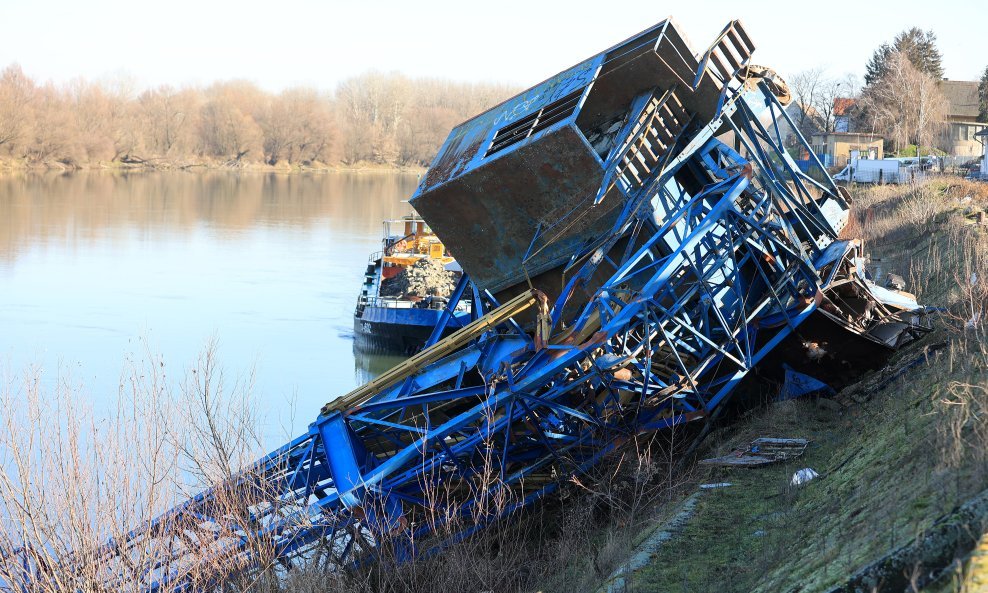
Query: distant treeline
{"points": [[385, 119]]}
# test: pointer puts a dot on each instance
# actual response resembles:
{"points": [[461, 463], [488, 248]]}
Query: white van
{"points": [[880, 171]]}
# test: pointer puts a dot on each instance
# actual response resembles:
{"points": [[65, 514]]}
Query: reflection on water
{"points": [[369, 366], [93, 264]]}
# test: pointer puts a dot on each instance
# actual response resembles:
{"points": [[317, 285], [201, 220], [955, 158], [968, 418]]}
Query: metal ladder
{"points": [[653, 134], [727, 56]]}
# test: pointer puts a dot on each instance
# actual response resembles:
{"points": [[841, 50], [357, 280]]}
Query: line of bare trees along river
{"points": [[374, 118]]}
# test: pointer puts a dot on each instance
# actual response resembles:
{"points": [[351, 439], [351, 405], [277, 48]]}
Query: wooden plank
{"points": [[738, 460], [656, 133], [677, 107], [647, 145], [641, 158], [761, 451], [633, 171]]}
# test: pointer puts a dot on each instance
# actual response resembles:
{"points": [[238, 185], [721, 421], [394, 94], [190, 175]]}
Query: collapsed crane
{"points": [[639, 247]]}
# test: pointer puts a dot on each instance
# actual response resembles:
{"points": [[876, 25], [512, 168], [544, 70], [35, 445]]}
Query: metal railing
{"points": [[436, 304]]}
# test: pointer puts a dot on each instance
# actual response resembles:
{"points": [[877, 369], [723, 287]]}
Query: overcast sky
{"points": [[282, 43]]}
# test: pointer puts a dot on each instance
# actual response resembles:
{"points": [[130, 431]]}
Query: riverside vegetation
{"points": [[897, 453], [375, 119]]}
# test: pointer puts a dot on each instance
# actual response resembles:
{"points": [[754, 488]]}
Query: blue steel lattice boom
{"points": [[629, 268]]}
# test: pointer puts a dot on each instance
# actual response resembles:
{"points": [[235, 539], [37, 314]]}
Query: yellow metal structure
{"points": [[454, 342]]}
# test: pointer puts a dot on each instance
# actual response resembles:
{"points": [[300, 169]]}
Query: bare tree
{"points": [[227, 132], [817, 95], [375, 117], [54, 133], [298, 127], [217, 420], [830, 91], [806, 87], [906, 105], [77, 484], [105, 119], [167, 116], [16, 92]]}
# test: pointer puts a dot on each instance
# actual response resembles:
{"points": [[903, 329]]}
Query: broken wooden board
{"points": [[761, 451]]}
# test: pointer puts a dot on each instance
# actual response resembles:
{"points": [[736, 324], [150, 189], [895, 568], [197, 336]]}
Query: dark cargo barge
{"points": [[397, 314]]}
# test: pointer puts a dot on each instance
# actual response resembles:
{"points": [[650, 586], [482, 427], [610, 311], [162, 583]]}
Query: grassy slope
{"points": [[888, 462], [877, 491]]}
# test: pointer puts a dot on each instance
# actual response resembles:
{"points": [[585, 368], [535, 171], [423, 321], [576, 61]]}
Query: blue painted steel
{"points": [[821, 161], [449, 314], [722, 263], [798, 384], [410, 316]]}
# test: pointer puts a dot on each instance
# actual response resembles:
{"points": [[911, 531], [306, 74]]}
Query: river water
{"points": [[97, 269]]}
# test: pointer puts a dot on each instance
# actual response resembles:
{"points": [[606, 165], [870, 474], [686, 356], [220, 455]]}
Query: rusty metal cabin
{"points": [[517, 190]]}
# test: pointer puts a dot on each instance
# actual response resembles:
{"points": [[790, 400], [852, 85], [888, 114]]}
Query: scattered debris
{"points": [[761, 451], [427, 277], [973, 215], [803, 476], [895, 282]]}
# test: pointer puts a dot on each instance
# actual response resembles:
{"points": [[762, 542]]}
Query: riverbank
{"points": [[18, 166]]}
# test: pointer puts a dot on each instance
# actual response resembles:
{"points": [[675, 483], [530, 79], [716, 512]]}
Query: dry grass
{"points": [[572, 542], [74, 478], [931, 232]]}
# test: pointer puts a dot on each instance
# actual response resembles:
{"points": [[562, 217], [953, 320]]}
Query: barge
{"points": [[406, 288]]}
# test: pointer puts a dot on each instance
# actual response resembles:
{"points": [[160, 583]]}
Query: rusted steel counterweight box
{"points": [[522, 178]]}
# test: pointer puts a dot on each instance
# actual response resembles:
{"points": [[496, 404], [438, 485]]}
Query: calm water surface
{"points": [[94, 266]]}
